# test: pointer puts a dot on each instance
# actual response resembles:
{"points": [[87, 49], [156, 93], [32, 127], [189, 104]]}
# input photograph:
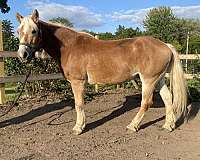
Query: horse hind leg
{"points": [[148, 87], [167, 99]]}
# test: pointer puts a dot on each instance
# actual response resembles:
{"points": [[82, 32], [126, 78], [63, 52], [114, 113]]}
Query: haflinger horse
{"points": [[83, 59]]}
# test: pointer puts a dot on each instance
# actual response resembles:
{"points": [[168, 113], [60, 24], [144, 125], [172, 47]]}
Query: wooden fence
{"points": [[20, 78]]}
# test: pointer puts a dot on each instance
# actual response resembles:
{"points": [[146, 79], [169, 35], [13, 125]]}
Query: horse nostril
{"points": [[25, 55]]}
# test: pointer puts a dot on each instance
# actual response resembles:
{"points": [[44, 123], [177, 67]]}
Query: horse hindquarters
{"points": [[152, 74]]}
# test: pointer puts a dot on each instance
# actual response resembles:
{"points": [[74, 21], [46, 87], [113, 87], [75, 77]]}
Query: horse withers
{"points": [[83, 59]]}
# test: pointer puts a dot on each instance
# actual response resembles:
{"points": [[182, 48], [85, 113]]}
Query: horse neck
{"points": [[54, 38]]}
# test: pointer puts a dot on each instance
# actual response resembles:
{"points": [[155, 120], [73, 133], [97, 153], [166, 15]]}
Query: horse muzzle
{"points": [[25, 53]]}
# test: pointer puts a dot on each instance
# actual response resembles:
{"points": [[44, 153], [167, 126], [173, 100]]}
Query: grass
{"points": [[11, 91]]}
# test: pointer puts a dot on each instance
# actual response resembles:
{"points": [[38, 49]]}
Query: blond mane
{"points": [[57, 24], [62, 25]]}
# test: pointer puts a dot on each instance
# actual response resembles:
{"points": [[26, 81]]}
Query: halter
{"points": [[32, 46]]}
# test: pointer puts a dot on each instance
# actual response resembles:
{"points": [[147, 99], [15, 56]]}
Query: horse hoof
{"points": [[76, 130], [168, 128], [132, 128]]}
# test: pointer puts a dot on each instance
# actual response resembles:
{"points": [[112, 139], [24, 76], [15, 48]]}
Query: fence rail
{"points": [[21, 78], [6, 54], [39, 77]]}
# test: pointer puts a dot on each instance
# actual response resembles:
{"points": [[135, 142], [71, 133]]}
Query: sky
{"points": [[100, 15]]}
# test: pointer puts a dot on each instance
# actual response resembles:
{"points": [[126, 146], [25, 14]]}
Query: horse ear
{"points": [[19, 17], [35, 16]]}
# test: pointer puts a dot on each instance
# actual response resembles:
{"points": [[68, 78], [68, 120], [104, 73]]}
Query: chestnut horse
{"points": [[83, 58]]}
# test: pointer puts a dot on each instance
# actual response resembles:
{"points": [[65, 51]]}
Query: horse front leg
{"points": [[78, 91]]}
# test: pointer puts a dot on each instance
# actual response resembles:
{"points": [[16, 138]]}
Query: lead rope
{"points": [[19, 95]]}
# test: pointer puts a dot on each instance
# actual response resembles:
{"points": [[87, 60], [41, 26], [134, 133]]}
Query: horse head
{"points": [[29, 36]]}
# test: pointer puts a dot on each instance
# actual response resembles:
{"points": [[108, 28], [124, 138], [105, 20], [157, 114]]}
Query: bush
{"points": [[39, 66], [194, 89]]}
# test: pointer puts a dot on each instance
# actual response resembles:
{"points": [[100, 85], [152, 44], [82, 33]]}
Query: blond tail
{"points": [[178, 85]]}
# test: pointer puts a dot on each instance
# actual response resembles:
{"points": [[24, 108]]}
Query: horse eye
{"points": [[33, 31]]}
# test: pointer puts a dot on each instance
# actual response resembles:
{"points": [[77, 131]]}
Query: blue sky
{"points": [[100, 15]]}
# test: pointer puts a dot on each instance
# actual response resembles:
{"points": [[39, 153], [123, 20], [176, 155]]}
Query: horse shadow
{"points": [[193, 110], [130, 103], [36, 113]]}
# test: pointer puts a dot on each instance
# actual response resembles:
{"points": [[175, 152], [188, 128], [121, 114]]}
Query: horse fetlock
{"points": [[80, 117], [170, 117], [170, 122]]}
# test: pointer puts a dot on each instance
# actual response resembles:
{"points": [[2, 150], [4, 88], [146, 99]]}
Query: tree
{"points": [[194, 44], [63, 21], [185, 27], [106, 36], [161, 23], [4, 6], [122, 32], [10, 42]]}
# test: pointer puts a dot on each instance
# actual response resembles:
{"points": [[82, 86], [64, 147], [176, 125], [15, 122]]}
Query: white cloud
{"points": [[133, 16], [84, 18], [137, 16], [80, 16], [187, 12]]}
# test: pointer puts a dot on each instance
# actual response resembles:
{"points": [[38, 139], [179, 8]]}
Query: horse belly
{"points": [[108, 76]]}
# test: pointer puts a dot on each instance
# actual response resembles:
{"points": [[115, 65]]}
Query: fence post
{"points": [[2, 86], [135, 84], [96, 88], [118, 86]]}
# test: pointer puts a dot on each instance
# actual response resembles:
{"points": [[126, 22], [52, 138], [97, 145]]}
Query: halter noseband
{"points": [[32, 46]]}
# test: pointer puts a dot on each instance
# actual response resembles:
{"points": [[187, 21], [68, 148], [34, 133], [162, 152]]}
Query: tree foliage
{"points": [[191, 27], [106, 36], [10, 42], [4, 6], [161, 23], [123, 32]]}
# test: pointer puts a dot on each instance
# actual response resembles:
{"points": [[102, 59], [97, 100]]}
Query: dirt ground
{"points": [[40, 129]]}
